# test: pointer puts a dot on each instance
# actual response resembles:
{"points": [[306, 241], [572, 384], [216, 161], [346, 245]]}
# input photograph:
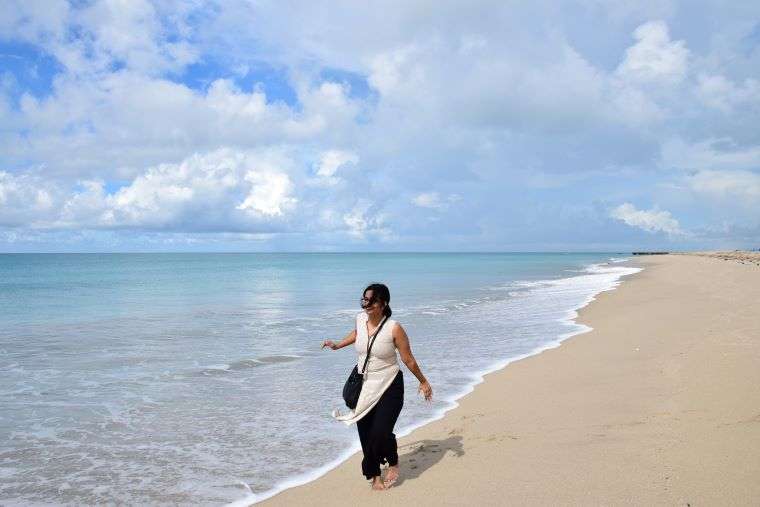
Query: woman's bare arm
{"points": [[348, 340], [401, 340]]}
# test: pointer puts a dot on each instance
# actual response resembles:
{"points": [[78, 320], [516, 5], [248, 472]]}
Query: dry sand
{"points": [[658, 405], [742, 256]]}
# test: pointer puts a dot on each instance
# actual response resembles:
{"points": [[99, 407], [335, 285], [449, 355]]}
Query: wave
{"points": [[245, 364]]}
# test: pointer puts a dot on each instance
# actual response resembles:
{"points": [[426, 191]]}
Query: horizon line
{"points": [[625, 252]]}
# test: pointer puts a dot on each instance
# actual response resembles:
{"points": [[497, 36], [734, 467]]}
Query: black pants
{"points": [[376, 429]]}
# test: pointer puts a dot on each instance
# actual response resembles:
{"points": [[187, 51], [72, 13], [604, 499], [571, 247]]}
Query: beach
{"points": [[659, 404], [219, 356]]}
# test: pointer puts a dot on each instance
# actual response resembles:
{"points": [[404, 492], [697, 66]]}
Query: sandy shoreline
{"points": [[659, 404]]}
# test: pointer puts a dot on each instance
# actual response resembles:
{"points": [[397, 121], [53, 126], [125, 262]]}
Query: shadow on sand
{"points": [[419, 456]]}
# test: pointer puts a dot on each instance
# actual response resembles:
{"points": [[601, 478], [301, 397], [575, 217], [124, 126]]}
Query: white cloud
{"points": [[652, 220], [25, 199], [727, 185], [269, 194], [427, 200], [363, 222], [433, 200], [390, 70], [83, 207], [116, 126], [34, 21], [721, 93], [463, 96], [654, 57], [330, 161], [207, 191], [130, 34], [711, 154], [225, 190], [632, 105]]}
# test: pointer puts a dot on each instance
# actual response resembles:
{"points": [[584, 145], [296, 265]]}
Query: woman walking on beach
{"points": [[382, 394]]}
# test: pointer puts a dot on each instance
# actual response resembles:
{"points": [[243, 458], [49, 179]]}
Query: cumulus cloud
{"points": [[652, 220], [132, 33], [330, 161], [225, 190], [654, 57], [117, 126], [269, 193], [90, 38], [25, 199]]}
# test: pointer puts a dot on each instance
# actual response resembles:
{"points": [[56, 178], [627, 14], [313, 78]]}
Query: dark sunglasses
{"points": [[366, 302]]}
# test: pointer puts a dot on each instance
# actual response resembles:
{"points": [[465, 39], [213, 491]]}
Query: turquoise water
{"points": [[191, 378]]}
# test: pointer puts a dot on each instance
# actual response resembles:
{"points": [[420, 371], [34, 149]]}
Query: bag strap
{"points": [[371, 343]]}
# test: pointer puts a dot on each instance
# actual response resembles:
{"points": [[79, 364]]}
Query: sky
{"points": [[246, 125]]}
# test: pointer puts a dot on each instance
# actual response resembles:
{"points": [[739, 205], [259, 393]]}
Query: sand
{"points": [[658, 405], [741, 256]]}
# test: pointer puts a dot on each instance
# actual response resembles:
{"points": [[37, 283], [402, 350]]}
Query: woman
{"points": [[382, 394]]}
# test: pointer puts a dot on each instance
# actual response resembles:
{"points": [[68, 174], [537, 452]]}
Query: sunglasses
{"points": [[367, 302]]}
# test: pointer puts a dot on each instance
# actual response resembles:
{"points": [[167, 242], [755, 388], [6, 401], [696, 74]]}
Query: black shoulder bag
{"points": [[353, 387]]}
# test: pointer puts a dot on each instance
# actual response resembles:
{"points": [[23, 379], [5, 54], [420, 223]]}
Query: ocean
{"points": [[199, 379]]}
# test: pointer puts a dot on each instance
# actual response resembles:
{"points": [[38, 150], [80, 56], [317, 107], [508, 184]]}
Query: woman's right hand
{"points": [[329, 343]]}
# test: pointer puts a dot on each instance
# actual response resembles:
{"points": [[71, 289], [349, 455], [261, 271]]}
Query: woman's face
{"points": [[370, 304]]}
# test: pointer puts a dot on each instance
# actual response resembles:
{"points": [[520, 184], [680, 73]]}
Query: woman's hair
{"points": [[380, 291]]}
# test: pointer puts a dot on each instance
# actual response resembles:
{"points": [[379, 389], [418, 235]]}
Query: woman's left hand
{"points": [[426, 390]]}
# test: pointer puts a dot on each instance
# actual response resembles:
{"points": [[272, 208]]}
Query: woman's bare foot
{"points": [[391, 476], [377, 484]]}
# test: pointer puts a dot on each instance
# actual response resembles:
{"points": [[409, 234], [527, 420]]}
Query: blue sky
{"points": [[395, 126]]}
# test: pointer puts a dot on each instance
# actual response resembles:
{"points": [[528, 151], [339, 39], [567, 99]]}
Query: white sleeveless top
{"points": [[381, 368]]}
